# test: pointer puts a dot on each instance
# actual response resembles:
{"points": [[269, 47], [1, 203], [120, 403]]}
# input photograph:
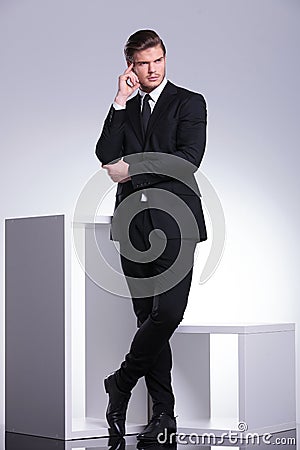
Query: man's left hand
{"points": [[118, 172]]}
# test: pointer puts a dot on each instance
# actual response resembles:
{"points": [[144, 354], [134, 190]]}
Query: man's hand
{"points": [[124, 89], [118, 172]]}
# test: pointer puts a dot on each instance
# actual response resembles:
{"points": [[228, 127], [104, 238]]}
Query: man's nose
{"points": [[151, 68]]}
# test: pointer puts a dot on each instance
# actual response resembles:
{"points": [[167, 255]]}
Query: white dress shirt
{"points": [[152, 102], [154, 96]]}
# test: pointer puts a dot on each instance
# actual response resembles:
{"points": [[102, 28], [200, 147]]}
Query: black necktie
{"points": [[146, 111]]}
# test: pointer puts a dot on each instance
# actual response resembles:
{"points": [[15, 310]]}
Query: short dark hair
{"points": [[141, 40]]}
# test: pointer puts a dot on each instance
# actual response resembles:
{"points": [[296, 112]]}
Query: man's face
{"points": [[150, 67]]}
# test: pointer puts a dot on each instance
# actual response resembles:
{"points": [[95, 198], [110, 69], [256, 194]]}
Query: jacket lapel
{"points": [[161, 106], [133, 108]]}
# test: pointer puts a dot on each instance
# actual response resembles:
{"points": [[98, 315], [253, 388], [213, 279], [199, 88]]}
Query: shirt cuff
{"points": [[117, 107]]}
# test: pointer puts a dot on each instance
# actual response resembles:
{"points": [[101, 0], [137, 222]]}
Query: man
{"points": [[162, 120]]}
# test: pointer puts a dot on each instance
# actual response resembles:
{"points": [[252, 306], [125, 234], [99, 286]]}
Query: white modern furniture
{"points": [[66, 330], [64, 333], [238, 378]]}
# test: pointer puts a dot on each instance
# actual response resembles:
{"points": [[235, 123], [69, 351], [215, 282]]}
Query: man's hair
{"points": [[141, 40]]}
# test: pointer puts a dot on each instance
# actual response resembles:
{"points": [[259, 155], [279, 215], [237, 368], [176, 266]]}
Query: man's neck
{"points": [[160, 87]]}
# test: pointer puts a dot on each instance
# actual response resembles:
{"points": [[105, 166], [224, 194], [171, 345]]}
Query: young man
{"points": [[161, 120]]}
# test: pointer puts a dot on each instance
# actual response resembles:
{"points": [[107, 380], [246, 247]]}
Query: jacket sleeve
{"points": [[109, 148], [189, 148]]}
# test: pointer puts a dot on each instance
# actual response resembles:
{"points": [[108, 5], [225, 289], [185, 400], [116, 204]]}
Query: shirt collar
{"points": [[156, 92]]}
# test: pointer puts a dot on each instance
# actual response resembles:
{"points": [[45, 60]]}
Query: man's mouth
{"points": [[153, 78]]}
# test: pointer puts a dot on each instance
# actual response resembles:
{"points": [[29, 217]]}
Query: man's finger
{"points": [[132, 77], [129, 68]]}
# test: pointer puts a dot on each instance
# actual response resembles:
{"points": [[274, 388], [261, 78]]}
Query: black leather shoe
{"points": [[116, 443], [117, 406], [161, 429]]}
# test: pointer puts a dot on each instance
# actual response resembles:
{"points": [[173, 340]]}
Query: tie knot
{"points": [[147, 98]]}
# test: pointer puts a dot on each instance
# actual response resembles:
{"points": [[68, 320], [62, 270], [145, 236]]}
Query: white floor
{"points": [[285, 440]]}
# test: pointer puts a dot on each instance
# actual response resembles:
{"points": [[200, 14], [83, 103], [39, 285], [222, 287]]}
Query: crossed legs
{"points": [[158, 315]]}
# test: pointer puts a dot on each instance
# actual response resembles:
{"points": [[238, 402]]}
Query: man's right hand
{"points": [[124, 89]]}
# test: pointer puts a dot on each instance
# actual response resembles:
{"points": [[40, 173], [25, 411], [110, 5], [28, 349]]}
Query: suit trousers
{"points": [[158, 313]]}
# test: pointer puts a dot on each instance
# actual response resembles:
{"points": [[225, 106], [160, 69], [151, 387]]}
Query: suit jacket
{"points": [[177, 126]]}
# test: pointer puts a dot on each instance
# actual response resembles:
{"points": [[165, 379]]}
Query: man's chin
{"points": [[151, 85]]}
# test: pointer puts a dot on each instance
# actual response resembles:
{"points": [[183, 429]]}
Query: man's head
{"points": [[147, 52]]}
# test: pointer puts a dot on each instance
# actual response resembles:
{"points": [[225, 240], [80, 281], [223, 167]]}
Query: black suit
{"points": [[177, 126]]}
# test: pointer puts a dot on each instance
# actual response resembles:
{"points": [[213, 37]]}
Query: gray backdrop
{"points": [[59, 65]]}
